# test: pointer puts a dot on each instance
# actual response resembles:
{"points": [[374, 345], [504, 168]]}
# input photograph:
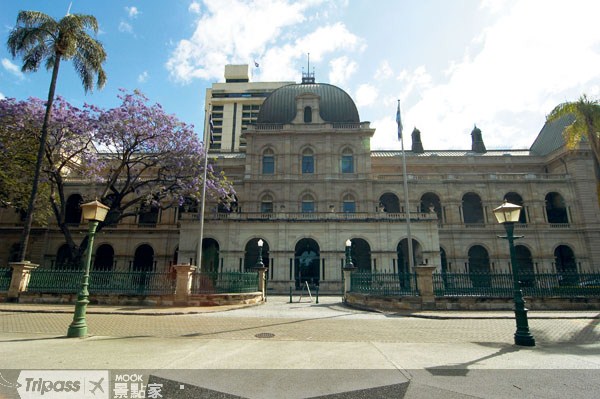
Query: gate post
{"points": [[425, 284], [21, 272], [183, 283], [262, 281]]}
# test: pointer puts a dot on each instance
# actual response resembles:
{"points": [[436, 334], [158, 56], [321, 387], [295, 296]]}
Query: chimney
{"points": [[417, 146]]}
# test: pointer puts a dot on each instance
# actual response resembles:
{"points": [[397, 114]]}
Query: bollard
{"points": [[290, 294], [317, 294]]}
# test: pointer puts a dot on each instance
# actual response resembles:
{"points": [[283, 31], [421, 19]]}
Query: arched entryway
{"points": [[104, 258], [307, 259], [64, 260], [525, 262], [430, 202], [472, 209], [210, 255], [403, 260], [566, 266], [143, 260], [360, 251], [479, 266], [515, 198], [251, 254]]}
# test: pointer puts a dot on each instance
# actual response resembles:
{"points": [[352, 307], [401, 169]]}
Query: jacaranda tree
{"points": [[130, 158]]}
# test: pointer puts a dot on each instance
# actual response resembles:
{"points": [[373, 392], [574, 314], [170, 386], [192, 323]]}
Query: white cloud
{"points": [[143, 77], [194, 8], [341, 69], [132, 12], [275, 32], [529, 60], [2, 96], [384, 71], [366, 95], [125, 27], [12, 68]]}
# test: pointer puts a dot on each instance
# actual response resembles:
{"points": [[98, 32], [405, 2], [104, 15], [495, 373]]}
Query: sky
{"points": [[499, 64]]}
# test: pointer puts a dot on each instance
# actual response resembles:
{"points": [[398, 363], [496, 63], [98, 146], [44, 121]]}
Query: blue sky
{"points": [[500, 64]]}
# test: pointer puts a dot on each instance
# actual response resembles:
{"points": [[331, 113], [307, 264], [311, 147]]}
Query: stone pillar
{"points": [[20, 278], [262, 281], [425, 284], [348, 280], [183, 283]]}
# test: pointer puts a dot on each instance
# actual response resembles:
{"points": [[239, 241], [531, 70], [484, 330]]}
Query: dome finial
{"points": [[308, 77]]}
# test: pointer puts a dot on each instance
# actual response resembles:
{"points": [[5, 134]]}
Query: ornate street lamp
{"points": [[94, 212], [259, 262], [348, 256], [507, 214]]}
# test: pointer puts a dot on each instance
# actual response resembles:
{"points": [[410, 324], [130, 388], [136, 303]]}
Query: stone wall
{"points": [[395, 304]]}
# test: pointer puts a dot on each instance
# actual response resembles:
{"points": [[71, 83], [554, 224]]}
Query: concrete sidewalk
{"points": [[309, 350], [282, 305]]}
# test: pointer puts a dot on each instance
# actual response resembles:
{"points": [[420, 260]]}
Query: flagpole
{"points": [[202, 204], [411, 261]]}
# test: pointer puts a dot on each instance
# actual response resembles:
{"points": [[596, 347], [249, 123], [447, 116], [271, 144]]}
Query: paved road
{"points": [[299, 350]]}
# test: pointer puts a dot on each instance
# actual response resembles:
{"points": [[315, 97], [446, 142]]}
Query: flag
{"points": [[211, 127], [399, 122], [255, 63]]}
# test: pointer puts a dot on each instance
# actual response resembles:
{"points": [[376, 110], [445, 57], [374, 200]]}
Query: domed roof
{"points": [[335, 104]]}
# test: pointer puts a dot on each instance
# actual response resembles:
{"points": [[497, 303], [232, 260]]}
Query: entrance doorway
{"points": [[307, 259]]}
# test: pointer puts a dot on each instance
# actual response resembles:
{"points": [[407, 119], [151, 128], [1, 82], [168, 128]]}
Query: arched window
{"points": [[389, 203], [308, 161], [516, 199], [307, 114], [143, 259], [266, 204], [104, 258], [148, 216], [556, 210], [73, 209], [347, 161], [430, 202], [268, 162], [348, 204], [308, 203], [472, 208], [479, 266]]}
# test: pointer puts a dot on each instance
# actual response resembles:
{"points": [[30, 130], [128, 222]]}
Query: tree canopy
{"points": [[37, 37], [129, 157]]}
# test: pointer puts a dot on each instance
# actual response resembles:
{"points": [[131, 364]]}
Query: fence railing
{"points": [[384, 283], [501, 284], [224, 282], [53, 281], [5, 277]]}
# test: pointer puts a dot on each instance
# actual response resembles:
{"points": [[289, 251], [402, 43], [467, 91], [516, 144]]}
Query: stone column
{"points": [[183, 283], [20, 278], [425, 284], [262, 281]]}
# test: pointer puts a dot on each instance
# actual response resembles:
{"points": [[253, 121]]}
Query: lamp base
{"points": [[524, 339]]}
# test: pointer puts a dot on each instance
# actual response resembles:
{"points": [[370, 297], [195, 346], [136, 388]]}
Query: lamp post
{"points": [[259, 262], [94, 212], [507, 214], [348, 256]]}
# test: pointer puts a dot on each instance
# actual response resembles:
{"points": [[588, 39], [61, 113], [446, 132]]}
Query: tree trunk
{"points": [[38, 164]]}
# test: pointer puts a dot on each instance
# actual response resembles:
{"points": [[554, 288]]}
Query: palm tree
{"points": [[38, 37], [586, 124]]}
